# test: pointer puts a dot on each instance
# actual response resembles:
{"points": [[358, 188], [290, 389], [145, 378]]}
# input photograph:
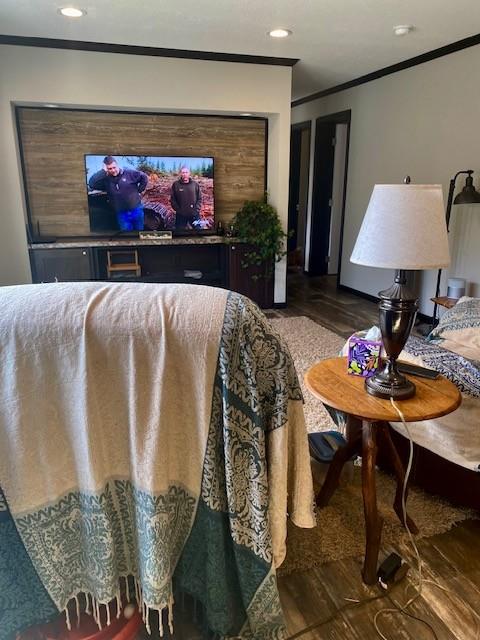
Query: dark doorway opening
{"points": [[298, 194], [332, 135]]}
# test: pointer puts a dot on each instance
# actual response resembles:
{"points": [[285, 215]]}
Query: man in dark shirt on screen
{"points": [[123, 187], [186, 200]]}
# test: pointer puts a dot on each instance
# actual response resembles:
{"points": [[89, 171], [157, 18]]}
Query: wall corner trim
{"points": [[106, 47], [453, 47]]}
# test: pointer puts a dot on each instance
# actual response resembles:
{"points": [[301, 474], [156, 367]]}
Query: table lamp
{"points": [[403, 229]]}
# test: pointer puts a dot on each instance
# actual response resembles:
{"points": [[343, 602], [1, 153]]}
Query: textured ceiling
{"points": [[335, 40]]}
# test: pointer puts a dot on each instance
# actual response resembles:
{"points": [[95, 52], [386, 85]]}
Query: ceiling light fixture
{"points": [[402, 29], [72, 12], [245, 114], [279, 33]]}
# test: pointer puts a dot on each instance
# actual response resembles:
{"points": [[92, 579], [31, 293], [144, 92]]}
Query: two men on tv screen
{"points": [[125, 187]]}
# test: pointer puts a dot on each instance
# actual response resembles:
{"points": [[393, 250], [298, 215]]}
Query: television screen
{"points": [[150, 193]]}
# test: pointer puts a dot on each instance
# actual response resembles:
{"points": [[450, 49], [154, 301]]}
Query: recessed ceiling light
{"points": [[280, 33], [402, 29], [72, 12]]}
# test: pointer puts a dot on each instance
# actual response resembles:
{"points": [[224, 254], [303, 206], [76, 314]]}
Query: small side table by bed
{"points": [[444, 301], [367, 427]]}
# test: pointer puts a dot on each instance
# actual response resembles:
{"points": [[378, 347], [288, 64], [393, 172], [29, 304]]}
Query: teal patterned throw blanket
{"points": [[152, 440]]}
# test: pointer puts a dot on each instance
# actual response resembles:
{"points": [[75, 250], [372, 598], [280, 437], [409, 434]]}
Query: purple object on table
{"points": [[363, 356]]}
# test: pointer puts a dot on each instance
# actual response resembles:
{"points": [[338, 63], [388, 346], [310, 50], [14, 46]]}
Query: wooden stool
{"points": [[123, 262]]}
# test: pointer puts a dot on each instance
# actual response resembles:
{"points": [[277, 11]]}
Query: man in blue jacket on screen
{"points": [[123, 187]]}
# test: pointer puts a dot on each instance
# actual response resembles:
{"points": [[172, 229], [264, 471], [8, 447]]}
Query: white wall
{"points": [[422, 122], [117, 81]]}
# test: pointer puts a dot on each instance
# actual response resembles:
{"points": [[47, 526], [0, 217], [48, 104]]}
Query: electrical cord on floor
{"points": [[350, 605], [358, 603], [421, 580], [402, 609]]}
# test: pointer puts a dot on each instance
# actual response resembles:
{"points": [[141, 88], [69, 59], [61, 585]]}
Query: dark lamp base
{"points": [[397, 310], [390, 384]]}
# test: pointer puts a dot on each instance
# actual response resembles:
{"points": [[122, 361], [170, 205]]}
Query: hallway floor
{"points": [[318, 298]]}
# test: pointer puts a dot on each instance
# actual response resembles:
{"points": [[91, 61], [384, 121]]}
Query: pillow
{"points": [[460, 325]]}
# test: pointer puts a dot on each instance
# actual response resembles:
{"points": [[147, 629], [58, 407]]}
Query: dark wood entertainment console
{"points": [[208, 260]]}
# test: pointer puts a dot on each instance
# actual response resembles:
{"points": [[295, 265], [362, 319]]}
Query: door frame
{"points": [[340, 117], [306, 125]]}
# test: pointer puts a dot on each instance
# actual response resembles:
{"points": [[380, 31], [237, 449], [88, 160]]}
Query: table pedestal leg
{"points": [[342, 455], [373, 522], [399, 473]]}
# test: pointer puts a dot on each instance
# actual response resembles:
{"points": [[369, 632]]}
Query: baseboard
{"points": [[422, 317], [279, 305], [360, 294]]}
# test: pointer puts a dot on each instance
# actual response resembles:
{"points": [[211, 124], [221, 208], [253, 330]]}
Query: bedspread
{"points": [[456, 436], [150, 431]]}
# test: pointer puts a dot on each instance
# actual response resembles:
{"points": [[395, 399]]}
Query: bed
{"points": [[152, 443], [447, 450]]}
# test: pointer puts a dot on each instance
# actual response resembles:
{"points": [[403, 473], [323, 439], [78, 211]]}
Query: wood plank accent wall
{"points": [[54, 142]]}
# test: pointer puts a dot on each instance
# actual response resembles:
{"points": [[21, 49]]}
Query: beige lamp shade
{"points": [[404, 228]]}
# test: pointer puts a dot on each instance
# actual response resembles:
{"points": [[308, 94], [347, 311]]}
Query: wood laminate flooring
{"points": [[451, 605], [318, 298]]}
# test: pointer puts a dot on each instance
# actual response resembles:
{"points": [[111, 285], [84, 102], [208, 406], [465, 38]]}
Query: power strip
{"points": [[392, 570]]}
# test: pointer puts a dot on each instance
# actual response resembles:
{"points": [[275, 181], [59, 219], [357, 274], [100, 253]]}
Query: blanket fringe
{"points": [[171, 602], [77, 607], [93, 607], [147, 620], [138, 595], [97, 615], [87, 605], [160, 623], [67, 619], [127, 590], [94, 611]]}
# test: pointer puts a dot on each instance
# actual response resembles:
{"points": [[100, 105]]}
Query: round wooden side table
{"points": [[367, 426]]}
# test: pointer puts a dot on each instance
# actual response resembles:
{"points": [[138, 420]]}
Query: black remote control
{"points": [[415, 370]]}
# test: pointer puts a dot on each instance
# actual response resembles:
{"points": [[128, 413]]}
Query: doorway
{"points": [[298, 194], [324, 241]]}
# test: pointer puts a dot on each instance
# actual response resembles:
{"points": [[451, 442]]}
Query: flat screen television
{"points": [[150, 193]]}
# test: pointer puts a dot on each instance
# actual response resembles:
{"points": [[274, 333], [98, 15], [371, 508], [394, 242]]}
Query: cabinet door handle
{"points": [[84, 253]]}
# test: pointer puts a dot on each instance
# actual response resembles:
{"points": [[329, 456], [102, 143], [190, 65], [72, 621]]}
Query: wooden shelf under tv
{"points": [[219, 261]]}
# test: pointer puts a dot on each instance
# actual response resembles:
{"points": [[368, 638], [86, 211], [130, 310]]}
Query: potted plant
{"points": [[257, 224]]}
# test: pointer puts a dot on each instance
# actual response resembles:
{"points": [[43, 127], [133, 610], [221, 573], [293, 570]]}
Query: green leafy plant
{"points": [[257, 223]]}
